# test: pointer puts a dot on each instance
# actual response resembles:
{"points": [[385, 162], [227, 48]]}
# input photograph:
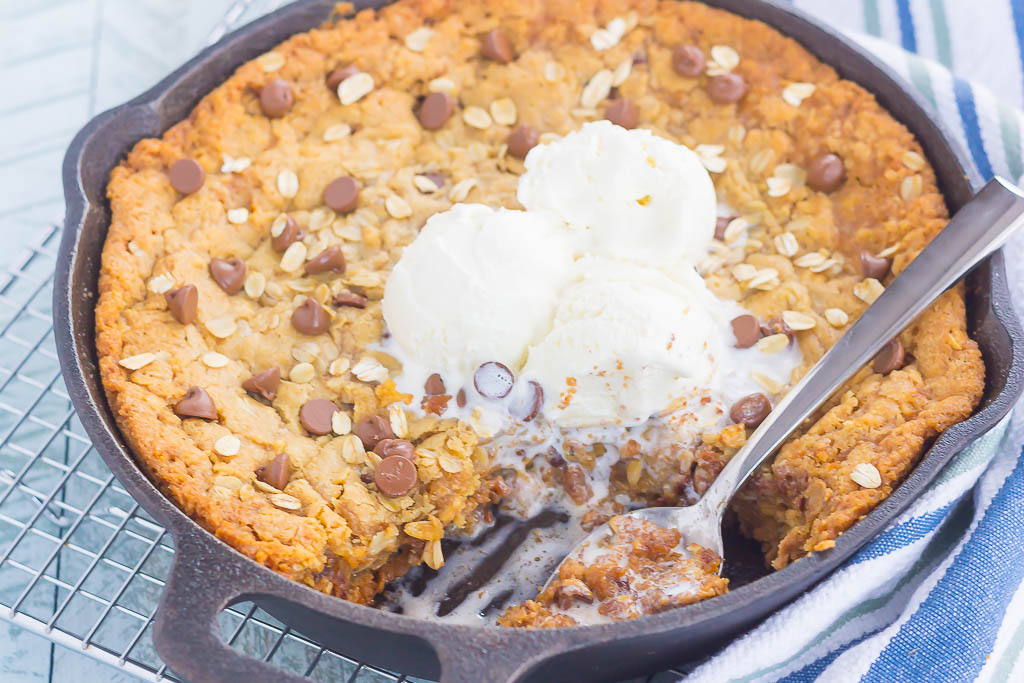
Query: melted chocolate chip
{"points": [[522, 140], [747, 330], [276, 98], [527, 401], [330, 258], [229, 274], [291, 233], [777, 326], [349, 299], [688, 61], [727, 88], [342, 194], [435, 110], [891, 357], [434, 385], [395, 476], [315, 416], [751, 410], [335, 78], [435, 178], [826, 173], [371, 430], [264, 383], [183, 303], [496, 45], [196, 403], [623, 112], [874, 266], [721, 224], [186, 176], [385, 448], [493, 380], [311, 318], [277, 472]]}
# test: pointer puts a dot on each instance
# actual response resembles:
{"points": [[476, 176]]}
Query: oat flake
{"points": [[137, 361], [227, 445], [355, 87]]}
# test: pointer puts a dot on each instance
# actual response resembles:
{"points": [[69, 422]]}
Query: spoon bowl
{"points": [[979, 228]]}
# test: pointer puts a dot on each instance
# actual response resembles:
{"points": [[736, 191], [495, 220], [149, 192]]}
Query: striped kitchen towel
{"points": [[939, 596]]}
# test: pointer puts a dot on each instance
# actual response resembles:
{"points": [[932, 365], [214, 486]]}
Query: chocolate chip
{"points": [[315, 416], [371, 430], [277, 472], [640, 57], [622, 112], [229, 274], [891, 357], [434, 385], [276, 98], [435, 178], [826, 173], [493, 380], [688, 60], [522, 140], [435, 110], [264, 383], [183, 303], [777, 326], [727, 88], [196, 403], [330, 258], [349, 299], [527, 401], [385, 448], [751, 410], [721, 224], [310, 318], [435, 405], [395, 476], [335, 78], [496, 45], [460, 398], [874, 266], [291, 233], [747, 330], [342, 194], [186, 175]]}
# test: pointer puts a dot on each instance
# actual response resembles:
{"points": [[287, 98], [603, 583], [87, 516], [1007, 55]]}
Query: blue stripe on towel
{"points": [[1017, 7], [907, 36], [969, 115], [903, 534], [965, 609]]}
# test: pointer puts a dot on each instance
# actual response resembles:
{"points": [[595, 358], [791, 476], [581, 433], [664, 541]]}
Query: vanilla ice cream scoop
{"points": [[478, 284], [630, 194], [625, 342]]}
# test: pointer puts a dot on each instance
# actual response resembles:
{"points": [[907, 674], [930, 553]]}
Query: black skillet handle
{"points": [[494, 655], [186, 631]]}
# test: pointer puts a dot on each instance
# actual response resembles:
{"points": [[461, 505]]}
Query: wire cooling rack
{"points": [[81, 564]]}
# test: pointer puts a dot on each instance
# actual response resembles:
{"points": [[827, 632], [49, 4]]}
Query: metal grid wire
{"points": [[81, 564]]}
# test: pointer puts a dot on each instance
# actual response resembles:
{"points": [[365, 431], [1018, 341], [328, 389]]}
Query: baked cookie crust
{"points": [[328, 524]]}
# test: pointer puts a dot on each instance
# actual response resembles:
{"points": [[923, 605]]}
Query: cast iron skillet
{"points": [[208, 575]]}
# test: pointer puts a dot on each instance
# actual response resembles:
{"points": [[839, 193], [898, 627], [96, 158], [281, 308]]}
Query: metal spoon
{"points": [[978, 229]]}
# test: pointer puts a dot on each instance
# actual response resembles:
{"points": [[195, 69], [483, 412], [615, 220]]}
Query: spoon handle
{"points": [[978, 229]]}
